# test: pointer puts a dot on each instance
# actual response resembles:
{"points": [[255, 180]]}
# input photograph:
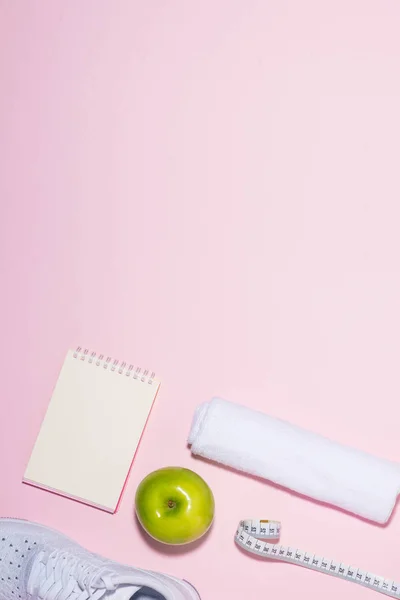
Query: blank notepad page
{"points": [[92, 429]]}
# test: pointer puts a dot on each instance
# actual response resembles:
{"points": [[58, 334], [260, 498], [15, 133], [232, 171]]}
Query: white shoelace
{"points": [[62, 576]]}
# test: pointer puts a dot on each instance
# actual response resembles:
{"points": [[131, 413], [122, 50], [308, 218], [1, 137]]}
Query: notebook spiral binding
{"points": [[120, 367]]}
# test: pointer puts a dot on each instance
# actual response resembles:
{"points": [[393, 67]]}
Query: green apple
{"points": [[174, 505]]}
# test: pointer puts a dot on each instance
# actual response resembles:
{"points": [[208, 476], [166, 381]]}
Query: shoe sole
{"points": [[13, 520], [194, 589]]}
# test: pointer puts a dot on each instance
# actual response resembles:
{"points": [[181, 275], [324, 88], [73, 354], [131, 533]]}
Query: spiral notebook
{"points": [[92, 429]]}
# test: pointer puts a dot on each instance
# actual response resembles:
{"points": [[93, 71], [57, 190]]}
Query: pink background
{"points": [[210, 189]]}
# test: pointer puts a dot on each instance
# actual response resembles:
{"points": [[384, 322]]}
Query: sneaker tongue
{"points": [[123, 592]]}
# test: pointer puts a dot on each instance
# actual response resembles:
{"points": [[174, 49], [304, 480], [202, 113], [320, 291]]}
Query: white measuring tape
{"points": [[251, 532]]}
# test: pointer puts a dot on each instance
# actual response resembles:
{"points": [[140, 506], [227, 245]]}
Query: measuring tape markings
{"points": [[251, 533]]}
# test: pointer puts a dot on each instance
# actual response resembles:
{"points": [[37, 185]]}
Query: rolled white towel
{"points": [[295, 458]]}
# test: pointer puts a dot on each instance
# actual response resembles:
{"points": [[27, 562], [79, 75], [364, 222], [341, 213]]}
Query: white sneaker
{"points": [[39, 563]]}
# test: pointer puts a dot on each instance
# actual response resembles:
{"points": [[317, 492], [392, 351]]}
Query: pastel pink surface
{"points": [[211, 190]]}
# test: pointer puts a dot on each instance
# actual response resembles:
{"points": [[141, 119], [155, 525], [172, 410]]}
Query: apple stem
{"points": [[171, 504]]}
